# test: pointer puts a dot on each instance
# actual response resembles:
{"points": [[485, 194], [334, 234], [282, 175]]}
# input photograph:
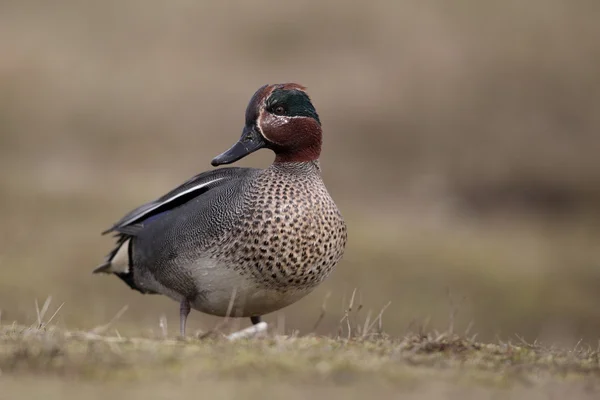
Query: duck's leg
{"points": [[184, 311], [255, 319]]}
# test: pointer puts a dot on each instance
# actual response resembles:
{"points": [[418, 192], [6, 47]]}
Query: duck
{"points": [[234, 241]]}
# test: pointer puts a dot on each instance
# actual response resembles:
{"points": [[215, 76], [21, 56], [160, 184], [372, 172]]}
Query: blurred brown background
{"points": [[461, 143]]}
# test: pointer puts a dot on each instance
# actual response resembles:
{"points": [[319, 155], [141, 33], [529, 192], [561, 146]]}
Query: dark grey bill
{"points": [[250, 141]]}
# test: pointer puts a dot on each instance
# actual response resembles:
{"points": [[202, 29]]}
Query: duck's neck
{"points": [[295, 167], [305, 154]]}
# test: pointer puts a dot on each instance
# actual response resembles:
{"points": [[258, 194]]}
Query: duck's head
{"points": [[282, 118]]}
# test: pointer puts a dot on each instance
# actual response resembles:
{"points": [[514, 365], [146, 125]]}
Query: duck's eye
{"points": [[279, 110]]}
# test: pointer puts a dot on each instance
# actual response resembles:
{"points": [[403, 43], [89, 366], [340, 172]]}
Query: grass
{"points": [[359, 358], [408, 364]]}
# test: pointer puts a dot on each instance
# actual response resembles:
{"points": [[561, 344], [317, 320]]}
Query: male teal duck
{"points": [[240, 240]]}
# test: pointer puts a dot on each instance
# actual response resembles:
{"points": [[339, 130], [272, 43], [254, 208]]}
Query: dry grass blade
{"points": [[103, 328], [53, 315], [423, 328], [323, 311], [469, 327], [37, 311], [378, 320], [525, 342], [351, 304], [577, 345], [350, 322], [365, 327], [346, 316], [40, 313], [219, 325], [230, 305], [162, 324]]}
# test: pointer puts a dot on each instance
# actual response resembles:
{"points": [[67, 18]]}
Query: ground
{"points": [[55, 363]]}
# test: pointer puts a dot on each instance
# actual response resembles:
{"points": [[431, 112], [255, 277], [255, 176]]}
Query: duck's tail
{"points": [[118, 260]]}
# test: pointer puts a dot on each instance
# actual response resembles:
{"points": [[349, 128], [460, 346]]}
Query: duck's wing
{"points": [[133, 221]]}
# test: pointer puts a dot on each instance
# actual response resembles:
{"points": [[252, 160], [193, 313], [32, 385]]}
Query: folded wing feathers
{"points": [[193, 187], [117, 261]]}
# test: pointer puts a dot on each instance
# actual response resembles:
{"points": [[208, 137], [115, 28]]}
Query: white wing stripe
{"points": [[189, 190]]}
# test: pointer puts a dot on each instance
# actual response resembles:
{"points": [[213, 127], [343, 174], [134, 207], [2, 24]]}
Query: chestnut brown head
{"points": [[281, 118]]}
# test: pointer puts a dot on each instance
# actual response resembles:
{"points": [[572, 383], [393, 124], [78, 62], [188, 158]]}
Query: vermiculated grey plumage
{"points": [[284, 242]]}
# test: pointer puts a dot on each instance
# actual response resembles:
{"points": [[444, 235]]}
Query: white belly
{"points": [[219, 286]]}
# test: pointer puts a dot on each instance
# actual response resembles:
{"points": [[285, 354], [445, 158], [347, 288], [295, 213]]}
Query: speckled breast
{"points": [[291, 234]]}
